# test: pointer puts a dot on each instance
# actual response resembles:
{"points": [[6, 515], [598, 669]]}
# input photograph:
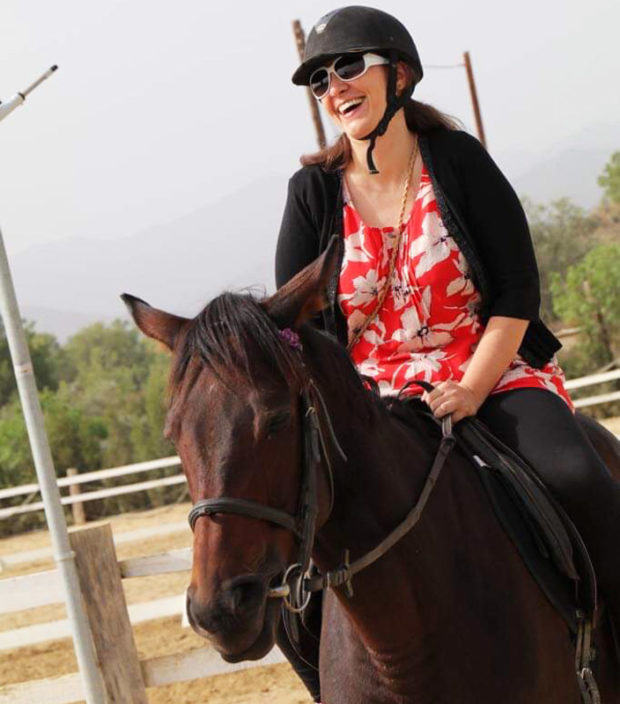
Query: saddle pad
{"points": [[546, 538], [544, 535]]}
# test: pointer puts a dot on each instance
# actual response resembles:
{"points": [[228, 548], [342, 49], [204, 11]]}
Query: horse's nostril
{"points": [[245, 594]]}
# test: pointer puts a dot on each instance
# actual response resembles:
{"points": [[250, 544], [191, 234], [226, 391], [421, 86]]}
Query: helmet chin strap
{"points": [[394, 103]]}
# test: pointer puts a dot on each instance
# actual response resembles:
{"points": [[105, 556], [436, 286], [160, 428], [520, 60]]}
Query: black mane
{"points": [[233, 334], [230, 335]]}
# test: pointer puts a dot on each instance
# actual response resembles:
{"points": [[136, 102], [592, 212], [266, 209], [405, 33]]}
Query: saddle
{"points": [[549, 544], [546, 538]]}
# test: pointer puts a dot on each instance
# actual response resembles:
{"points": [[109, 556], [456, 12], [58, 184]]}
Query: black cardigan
{"points": [[479, 209]]}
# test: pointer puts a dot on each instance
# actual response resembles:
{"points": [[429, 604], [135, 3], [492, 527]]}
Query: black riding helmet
{"points": [[358, 29]]}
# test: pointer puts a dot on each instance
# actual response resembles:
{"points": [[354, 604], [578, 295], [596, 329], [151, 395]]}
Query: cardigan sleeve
{"points": [[298, 241], [499, 228]]}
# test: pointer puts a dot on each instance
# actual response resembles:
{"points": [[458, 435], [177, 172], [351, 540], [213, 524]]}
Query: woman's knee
{"points": [[540, 427], [576, 474]]}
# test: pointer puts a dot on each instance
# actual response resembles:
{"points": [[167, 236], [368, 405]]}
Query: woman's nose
{"points": [[336, 85]]}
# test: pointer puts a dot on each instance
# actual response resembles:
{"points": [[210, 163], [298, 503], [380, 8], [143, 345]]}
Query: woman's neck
{"points": [[391, 155]]}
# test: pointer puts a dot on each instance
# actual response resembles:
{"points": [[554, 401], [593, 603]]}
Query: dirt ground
{"points": [[276, 684], [612, 424]]}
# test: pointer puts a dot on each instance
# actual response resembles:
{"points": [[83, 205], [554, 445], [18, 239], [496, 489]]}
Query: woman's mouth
{"points": [[350, 108]]}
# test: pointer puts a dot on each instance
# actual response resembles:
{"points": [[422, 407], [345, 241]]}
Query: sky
{"points": [[161, 108]]}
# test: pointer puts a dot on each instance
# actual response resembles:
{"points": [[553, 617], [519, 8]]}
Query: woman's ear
{"points": [[404, 76]]}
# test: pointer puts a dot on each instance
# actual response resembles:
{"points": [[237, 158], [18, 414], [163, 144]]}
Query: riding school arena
{"points": [[133, 569]]}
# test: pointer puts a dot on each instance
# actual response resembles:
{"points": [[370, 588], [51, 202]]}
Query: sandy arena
{"points": [[276, 684]]}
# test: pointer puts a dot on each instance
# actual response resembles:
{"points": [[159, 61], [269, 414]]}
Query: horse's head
{"points": [[236, 416]]}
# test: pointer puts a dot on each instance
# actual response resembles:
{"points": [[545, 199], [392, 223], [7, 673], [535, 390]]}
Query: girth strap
{"points": [[242, 507]]}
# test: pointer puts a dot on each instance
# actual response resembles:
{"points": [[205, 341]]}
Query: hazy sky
{"points": [[159, 108]]}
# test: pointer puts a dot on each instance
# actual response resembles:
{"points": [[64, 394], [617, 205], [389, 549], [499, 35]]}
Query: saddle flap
{"points": [[550, 529]]}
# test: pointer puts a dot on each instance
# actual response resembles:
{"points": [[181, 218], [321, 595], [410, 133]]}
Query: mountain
{"points": [[569, 168], [178, 266], [572, 174], [230, 244], [61, 323]]}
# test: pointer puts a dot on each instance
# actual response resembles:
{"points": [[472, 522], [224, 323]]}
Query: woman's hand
{"points": [[452, 397], [497, 348]]}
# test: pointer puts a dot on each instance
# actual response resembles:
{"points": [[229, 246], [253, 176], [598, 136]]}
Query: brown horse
{"points": [[449, 615]]}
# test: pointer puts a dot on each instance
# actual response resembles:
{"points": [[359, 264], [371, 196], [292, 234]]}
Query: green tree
{"points": [[48, 361], [16, 465], [74, 438], [609, 180], [562, 233], [148, 436], [111, 365], [104, 400], [588, 297], [109, 351]]}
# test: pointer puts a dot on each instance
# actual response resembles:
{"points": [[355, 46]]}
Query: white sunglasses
{"points": [[347, 67]]}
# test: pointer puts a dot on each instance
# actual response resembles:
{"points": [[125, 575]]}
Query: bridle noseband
{"points": [[298, 584]]}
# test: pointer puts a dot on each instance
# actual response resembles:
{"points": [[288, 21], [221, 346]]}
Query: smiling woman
{"points": [[437, 281]]}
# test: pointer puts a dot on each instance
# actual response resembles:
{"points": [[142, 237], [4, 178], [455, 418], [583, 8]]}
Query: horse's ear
{"points": [[154, 323], [306, 293]]}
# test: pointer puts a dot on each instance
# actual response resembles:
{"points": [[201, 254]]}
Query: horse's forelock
{"points": [[230, 336]]}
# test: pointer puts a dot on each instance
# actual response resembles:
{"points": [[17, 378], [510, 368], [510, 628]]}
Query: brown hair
{"points": [[420, 117]]}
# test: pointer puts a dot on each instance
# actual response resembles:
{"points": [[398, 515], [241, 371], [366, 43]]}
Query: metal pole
{"points": [[63, 555], [474, 98], [94, 689], [19, 98], [300, 40]]}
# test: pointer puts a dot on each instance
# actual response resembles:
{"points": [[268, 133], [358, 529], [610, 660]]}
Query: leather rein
{"points": [[299, 582]]}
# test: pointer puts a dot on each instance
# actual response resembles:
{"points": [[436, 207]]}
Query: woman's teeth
{"points": [[350, 105]]}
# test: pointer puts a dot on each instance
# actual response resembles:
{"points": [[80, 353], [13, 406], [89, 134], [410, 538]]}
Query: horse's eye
{"points": [[276, 422]]}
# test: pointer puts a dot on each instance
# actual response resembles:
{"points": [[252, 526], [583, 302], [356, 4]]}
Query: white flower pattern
{"points": [[429, 325]]}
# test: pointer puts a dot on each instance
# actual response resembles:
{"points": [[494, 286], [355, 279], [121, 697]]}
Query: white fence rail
{"points": [[30, 489], [97, 475], [165, 669], [17, 558], [45, 588], [591, 381]]}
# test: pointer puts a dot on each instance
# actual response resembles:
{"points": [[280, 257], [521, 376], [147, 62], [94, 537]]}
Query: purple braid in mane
{"points": [[291, 338]]}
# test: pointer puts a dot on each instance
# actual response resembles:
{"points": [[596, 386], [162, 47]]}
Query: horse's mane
{"points": [[233, 335], [230, 335]]}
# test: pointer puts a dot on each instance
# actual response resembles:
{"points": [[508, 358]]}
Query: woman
{"points": [[438, 279]]}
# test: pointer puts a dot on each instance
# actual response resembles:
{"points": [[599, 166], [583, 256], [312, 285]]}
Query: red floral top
{"points": [[428, 326]]}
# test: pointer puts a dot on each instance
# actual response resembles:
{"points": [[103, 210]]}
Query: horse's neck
{"points": [[439, 595], [387, 465], [386, 468]]}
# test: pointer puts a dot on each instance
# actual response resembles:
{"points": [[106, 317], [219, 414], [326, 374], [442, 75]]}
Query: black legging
{"points": [[539, 426]]}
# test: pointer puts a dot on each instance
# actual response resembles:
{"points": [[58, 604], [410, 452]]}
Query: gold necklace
{"points": [[386, 287]]}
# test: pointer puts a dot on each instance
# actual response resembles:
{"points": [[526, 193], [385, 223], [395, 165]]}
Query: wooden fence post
{"points": [[102, 591], [79, 515]]}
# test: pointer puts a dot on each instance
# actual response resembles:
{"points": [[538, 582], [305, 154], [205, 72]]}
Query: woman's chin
{"points": [[358, 128]]}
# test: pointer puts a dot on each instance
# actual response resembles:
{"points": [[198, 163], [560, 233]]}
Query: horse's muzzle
{"points": [[237, 619]]}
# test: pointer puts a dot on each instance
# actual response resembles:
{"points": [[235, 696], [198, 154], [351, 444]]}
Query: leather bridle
{"points": [[298, 582]]}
